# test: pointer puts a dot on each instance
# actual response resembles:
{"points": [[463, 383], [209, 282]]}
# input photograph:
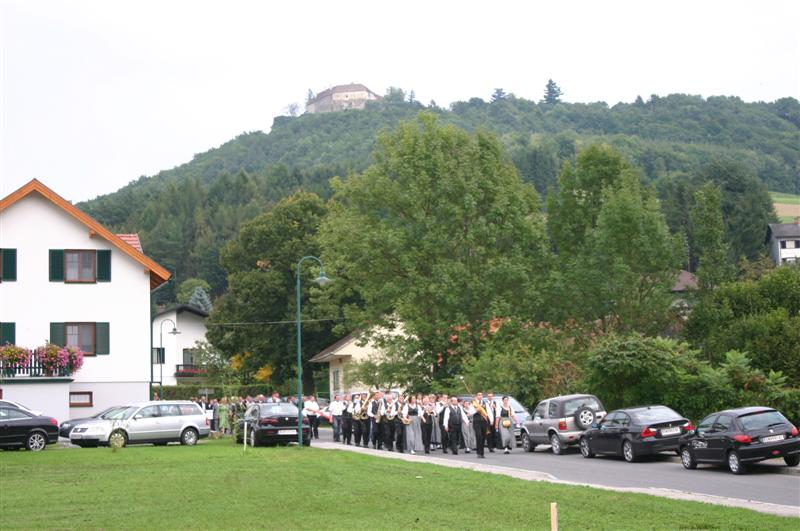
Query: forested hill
{"points": [[185, 214]]}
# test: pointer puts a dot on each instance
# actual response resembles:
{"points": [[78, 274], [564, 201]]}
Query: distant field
{"points": [[787, 206]]}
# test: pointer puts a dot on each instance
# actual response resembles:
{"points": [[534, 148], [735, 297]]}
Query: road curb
{"points": [[532, 475]]}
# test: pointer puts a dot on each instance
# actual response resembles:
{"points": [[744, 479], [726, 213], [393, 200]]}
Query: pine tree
{"points": [[708, 236], [498, 94], [552, 93], [200, 300]]}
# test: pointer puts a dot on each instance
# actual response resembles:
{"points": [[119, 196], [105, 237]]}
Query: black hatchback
{"points": [[20, 428], [272, 423], [634, 432], [736, 437]]}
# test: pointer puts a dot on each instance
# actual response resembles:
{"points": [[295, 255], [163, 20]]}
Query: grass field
{"points": [[216, 485], [787, 206]]}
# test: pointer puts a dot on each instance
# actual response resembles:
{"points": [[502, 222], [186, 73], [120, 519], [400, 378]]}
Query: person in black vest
{"points": [[347, 420], [374, 412], [426, 422], [441, 406], [388, 413], [491, 434], [452, 424], [479, 423], [399, 427]]}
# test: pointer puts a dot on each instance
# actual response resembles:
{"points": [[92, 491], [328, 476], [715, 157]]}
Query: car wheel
{"points": [[527, 444], [734, 464], [792, 460], [585, 417], [555, 444], [252, 439], [628, 452], [118, 439], [687, 458], [189, 437], [586, 449], [36, 442]]}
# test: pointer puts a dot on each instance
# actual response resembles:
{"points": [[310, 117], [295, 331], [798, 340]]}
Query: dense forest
{"points": [[186, 214]]}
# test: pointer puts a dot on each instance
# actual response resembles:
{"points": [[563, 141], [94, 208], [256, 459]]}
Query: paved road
{"points": [[769, 481]]}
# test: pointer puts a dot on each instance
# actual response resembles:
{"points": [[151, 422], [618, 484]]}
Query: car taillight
{"points": [[562, 425], [743, 439], [647, 432], [54, 422], [688, 426], [272, 422], [206, 421], [794, 431], [305, 420]]}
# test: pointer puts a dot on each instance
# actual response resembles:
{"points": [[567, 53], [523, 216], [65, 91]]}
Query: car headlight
{"points": [[65, 425]]}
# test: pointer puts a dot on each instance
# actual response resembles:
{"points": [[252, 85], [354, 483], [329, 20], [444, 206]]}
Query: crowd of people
{"points": [[424, 423], [394, 422]]}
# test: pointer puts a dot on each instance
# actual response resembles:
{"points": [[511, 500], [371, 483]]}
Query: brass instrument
{"points": [[478, 407], [391, 412]]}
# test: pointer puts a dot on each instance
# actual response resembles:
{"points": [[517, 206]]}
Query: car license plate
{"points": [[670, 431], [773, 438], [287, 432], [80, 436]]}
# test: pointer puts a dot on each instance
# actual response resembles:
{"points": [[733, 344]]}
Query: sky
{"points": [[95, 94]]}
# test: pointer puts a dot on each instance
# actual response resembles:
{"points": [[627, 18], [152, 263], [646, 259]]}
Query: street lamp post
{"points": [[161, 352], [321, 280]]}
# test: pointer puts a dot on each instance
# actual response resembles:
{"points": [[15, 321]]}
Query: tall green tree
{"points": [[708, 237], [439, 235], [552, 93], [261, 264]]}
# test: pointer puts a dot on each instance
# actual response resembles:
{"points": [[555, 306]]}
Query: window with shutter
{"points": [[8, 265], [57, 334], [8, 333], [104, 266], [102, 338], [80, 266]]}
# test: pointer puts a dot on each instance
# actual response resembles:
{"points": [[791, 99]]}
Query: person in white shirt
{"points": [[374, 414], [491, 436], [467, 433], [311, 410], [387, 413], [452, 424], [336, 409]]}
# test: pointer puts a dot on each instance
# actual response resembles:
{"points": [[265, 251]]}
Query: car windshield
{"points": [[764, 419], [574, 404], [278, 409], [654, 414], [107, 412], [122, 413], [516, 406]]}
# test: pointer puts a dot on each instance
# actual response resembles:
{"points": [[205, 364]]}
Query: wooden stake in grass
{"points": [[553, 516]]}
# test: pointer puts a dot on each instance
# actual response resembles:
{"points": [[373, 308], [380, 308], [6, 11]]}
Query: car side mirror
{"points": [[137, 417]]}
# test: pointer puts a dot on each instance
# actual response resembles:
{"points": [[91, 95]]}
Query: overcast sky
{"points": [[96, 94]]}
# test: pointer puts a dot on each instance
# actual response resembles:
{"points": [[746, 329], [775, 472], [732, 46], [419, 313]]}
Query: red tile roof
{"points": [[132, 240]]}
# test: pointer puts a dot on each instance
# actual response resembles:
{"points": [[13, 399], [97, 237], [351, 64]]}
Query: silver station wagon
{"points": [[148, 422]]}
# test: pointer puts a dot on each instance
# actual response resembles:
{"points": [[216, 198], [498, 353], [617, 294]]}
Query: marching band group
{"points": [[421, 423]]}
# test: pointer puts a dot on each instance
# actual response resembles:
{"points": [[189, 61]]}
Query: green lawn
{"points": [[216, 485], [780, 197]]}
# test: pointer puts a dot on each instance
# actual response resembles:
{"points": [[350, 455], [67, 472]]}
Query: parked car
{"points": [[157, 422], [17, 405], [637, 431], [20, 428], [272, 424], [560, 421], [67, 425], [737, 437]]}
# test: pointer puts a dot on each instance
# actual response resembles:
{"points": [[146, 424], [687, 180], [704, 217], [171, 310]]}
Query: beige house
{"points": [[341, 354], [340, 98]]}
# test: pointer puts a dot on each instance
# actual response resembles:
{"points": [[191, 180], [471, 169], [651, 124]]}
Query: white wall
{"points": [[192, 328], [34, 225], [52, 399]]}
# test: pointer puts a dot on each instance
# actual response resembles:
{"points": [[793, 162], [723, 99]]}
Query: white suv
{"points": [[158, 422]]}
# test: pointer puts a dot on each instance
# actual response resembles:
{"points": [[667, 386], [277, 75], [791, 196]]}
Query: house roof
{"points": [[352, 87], [330, 352], [132, 240], [158, 275], [180, 308], [783, 230], [685, 281]]}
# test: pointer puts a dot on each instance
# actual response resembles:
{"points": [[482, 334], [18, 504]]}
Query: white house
{"points": [[340, 98], [74, 283], [177, 362], [784, 242]]}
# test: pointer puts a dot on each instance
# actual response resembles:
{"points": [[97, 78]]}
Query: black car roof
{"points": [[740, 411]]}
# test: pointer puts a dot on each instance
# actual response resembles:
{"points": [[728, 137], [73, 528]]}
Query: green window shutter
{"points": [[9, 264], [104, 266], [101, 339], [7, 333], [56, 265], [57, 334]]}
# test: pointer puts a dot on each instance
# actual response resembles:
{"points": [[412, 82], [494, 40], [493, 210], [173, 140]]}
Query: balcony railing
{"points": [[190, 370], [34, 369]]}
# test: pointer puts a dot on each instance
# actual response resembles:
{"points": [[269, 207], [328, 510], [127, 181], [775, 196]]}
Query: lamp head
{"points": [[174, 331], [322, 279]]}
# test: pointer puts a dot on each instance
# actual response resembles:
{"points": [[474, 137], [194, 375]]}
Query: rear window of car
{"points": [[574, 404], [765, 419], [654, 414], [278, 409], [189, 409]]}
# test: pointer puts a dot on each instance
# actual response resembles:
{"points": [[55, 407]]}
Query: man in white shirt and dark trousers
{"points": [[347, 420], [311, 408], [336, 409], [452, 424]]}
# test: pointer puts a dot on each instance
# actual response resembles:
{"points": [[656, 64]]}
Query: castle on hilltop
{"points": [[340, 98]]}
